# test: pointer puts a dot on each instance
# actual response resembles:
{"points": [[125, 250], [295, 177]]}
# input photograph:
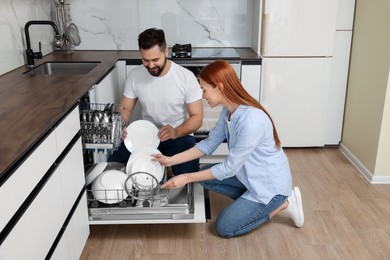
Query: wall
{"points": [[108, 25], [366, 132], [13, 16], [210, 23]]}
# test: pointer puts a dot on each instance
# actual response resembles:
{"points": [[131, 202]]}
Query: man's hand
{"points": [[167, 132], [124, 133]]}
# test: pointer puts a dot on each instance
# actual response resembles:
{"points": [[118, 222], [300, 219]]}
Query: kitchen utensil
{"points": [[72, 34]]}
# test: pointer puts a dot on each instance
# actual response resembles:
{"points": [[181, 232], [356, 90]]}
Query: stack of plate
{"points": [[142, 142]]}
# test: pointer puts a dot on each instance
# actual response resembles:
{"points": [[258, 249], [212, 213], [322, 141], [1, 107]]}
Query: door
{"points": [[298, 28], [295, 93]]}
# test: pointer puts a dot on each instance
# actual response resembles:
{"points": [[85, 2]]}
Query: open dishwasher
{"points": [[101, 130]]}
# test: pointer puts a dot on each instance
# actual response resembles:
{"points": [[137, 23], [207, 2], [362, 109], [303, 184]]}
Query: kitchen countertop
{"points": [[32, 105]]}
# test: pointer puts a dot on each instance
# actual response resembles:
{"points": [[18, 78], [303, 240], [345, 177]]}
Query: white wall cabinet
{"points": [[50, 191]]}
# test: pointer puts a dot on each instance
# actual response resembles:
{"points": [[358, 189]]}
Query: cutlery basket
{"points": [[101, 126]]}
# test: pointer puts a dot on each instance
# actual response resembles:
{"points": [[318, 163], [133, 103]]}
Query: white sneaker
{"points": [[295, 208]]}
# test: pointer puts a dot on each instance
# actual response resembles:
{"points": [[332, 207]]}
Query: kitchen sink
{"points": [[62, 68]]}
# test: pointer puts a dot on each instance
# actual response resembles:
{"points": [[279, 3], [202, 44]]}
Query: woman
{"points": [[256, 173]]}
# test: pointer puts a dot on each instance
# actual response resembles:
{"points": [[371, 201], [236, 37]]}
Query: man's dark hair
{"points": [[150, 38]]}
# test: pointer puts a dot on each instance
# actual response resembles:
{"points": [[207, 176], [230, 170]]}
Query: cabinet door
{"points": [[345, 14], [35, 232], [298, 27], [76, 234], [295, 93], [67, 129], [22, 182], [250, 79], [338, 87], [122, 75], [72, 176], [107, 90], [137, 111]]}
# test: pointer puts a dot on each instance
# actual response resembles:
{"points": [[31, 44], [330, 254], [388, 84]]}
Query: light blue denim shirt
{"points": [[253, 157]]}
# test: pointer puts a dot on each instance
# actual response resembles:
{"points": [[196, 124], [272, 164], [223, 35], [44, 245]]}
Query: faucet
{"points": [[30, 54]]}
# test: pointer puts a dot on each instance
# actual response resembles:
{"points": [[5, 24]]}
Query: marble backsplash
{"points": [[107, 25]]}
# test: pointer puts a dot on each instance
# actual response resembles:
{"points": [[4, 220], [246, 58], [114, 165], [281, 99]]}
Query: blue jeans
{"points": [[168, 148], [242, 215]]}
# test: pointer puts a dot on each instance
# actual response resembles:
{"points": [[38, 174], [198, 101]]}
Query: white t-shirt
{"points": [[163, 99]]}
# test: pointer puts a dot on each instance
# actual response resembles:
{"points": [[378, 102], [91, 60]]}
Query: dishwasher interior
{"points": [[101, 130]]}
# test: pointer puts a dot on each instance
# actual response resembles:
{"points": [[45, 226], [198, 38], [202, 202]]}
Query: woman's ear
{"points": [[220, 87]]}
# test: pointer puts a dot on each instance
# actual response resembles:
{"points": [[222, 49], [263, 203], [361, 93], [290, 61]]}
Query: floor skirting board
{"points": [[362, 169]]}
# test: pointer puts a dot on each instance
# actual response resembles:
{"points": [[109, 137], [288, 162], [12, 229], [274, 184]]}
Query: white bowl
{"points": [[108, 187]]}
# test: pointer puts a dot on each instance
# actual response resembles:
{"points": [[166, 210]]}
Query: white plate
{"points": [[108, 187], [141, 133], [94, 172], [145, 164], [141, 151]]}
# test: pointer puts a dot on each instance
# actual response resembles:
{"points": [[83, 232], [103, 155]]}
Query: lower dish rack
{"points": [[154, 205]]}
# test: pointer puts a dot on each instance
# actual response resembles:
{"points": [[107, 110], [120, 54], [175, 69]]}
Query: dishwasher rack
{"points": [[101, 126], [145, 205]]}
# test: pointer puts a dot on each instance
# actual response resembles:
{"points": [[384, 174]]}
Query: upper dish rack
{"points": [[101, 126]]}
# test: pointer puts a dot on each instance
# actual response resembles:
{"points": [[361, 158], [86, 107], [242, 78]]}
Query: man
{"points": [[170, 97]]}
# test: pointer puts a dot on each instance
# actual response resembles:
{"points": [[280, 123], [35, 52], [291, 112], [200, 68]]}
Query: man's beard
{"points": [[159, 69]]}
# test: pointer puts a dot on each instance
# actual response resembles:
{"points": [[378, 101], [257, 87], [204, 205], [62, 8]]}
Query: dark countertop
{"points": [[32, 105]]}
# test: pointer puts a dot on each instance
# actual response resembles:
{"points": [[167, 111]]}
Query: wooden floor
{"points": [[345, 218]]}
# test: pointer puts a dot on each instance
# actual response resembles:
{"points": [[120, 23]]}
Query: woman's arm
{"points": [[182, 179], [188, 155]]}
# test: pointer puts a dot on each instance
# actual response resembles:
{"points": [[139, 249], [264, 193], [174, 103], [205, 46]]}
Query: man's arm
{"points": [[190, 125], [125, 107]]}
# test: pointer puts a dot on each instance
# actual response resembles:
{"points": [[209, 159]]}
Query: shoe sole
{"points": [[298, 198]]}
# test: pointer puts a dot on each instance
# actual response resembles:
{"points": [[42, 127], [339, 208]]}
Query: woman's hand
{"points": [[162, 159], [177, 181]]}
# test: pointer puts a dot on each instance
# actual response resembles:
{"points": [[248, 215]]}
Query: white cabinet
{"points": [[338, 87], [38, 197], [345, 14], [72, 179], [340, 66], [110, 88], [22, 182], [107, 90], [33, 235], [137, 111], [295, 93], [250, 79], [76, 233]]}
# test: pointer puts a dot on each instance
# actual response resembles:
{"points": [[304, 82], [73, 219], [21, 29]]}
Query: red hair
{"points": [[221, 71]]}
